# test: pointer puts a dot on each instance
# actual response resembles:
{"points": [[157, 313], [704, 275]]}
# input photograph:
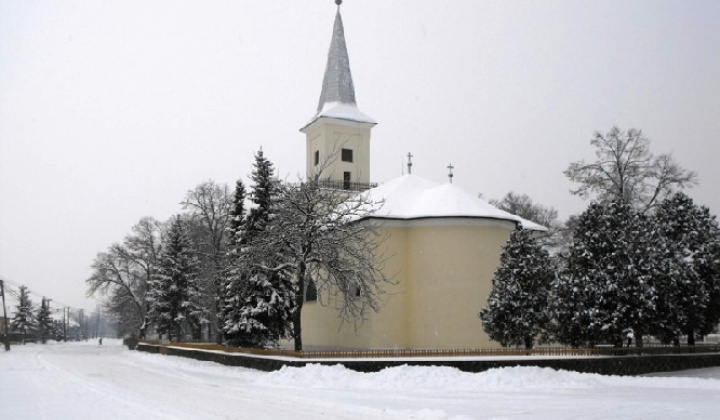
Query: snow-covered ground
{"points": [[84, 380]]}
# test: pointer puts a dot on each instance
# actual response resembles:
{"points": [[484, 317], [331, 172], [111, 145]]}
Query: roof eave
{"points": [[342, 121]]}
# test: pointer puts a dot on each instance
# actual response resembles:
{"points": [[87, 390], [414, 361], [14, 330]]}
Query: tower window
{"points": [[346, 180], [347, 155], [317, 157]]}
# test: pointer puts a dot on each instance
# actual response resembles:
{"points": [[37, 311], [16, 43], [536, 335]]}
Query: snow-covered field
{"points": [[84, 381]]}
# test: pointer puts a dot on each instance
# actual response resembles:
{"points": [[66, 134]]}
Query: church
{"points": [[445, 243]]}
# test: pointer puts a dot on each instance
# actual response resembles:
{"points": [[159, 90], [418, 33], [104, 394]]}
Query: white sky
{"points": [[111, 111]]}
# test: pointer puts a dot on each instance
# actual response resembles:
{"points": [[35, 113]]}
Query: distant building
{"points": [[445, 243]]}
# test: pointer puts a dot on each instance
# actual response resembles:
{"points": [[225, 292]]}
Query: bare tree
{"points": [[116, 274], [209, 206], [522, 205], [626, 170], [328, 237], [123, 272]]}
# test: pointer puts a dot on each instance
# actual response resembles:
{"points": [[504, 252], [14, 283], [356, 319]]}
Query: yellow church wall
{"points": [[451, 277], [443, 269]]}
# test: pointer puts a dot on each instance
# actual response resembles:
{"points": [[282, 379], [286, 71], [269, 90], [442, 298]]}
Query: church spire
{"points": [[337, 98], [337, 82]]}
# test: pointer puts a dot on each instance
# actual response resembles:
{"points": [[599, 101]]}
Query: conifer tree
{"points": [[263, 316], [44, 321], [233, 301], [237, 217], [260, 301], [24, 320], [264, 190], [608, 286], [174, 297], [517, 311], [690, 296]]}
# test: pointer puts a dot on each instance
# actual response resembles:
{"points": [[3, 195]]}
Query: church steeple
{"points": [[337, 83], [338, 135], [337, 97]]}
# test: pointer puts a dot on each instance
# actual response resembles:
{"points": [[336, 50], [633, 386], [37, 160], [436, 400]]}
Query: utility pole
{"points": [[47, 302], [7, 335], [82, 327], [97, 326]]}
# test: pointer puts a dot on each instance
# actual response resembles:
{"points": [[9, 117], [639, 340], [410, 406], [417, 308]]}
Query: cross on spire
{"points": [[409, 156], [450, 175]]}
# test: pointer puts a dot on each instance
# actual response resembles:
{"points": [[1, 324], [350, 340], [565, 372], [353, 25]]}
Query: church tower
{"points": [[338, 136]]}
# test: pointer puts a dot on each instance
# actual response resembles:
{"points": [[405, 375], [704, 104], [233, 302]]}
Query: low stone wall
{"points": [[606, 365]]}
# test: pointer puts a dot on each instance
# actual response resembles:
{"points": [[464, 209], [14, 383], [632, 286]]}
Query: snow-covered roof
{"points": [[341, 111], [413, 197]]}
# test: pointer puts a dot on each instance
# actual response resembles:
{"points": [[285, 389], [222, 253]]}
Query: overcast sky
{"points": [[112, 110]]}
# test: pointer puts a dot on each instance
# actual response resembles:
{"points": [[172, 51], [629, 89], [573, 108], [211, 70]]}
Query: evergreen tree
{"points": [[517, 311], [262, 315], [44, 321], [690, 296], [174, 297], [263, 193], [234, 280], [24, 319], [607, 287], [237, 217], [258, 301]]}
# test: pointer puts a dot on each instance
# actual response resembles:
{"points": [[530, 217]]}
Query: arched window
{"points": [[310, 291]]}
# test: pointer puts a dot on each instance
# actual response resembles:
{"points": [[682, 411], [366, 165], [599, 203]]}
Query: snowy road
{"points": [[83, 380]]}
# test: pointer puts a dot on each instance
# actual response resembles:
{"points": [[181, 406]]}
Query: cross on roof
{"points": [[410, 156], [450, 175]]}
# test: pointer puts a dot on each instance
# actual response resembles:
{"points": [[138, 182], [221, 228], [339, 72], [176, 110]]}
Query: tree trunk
{"points": [[299, 301], [638, 340], [219, 322], [297, 328], [691, 338], [143, 328], [528, 342]]}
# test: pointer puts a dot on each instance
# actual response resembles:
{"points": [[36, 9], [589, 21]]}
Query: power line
{"points": [[15, 294]]}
